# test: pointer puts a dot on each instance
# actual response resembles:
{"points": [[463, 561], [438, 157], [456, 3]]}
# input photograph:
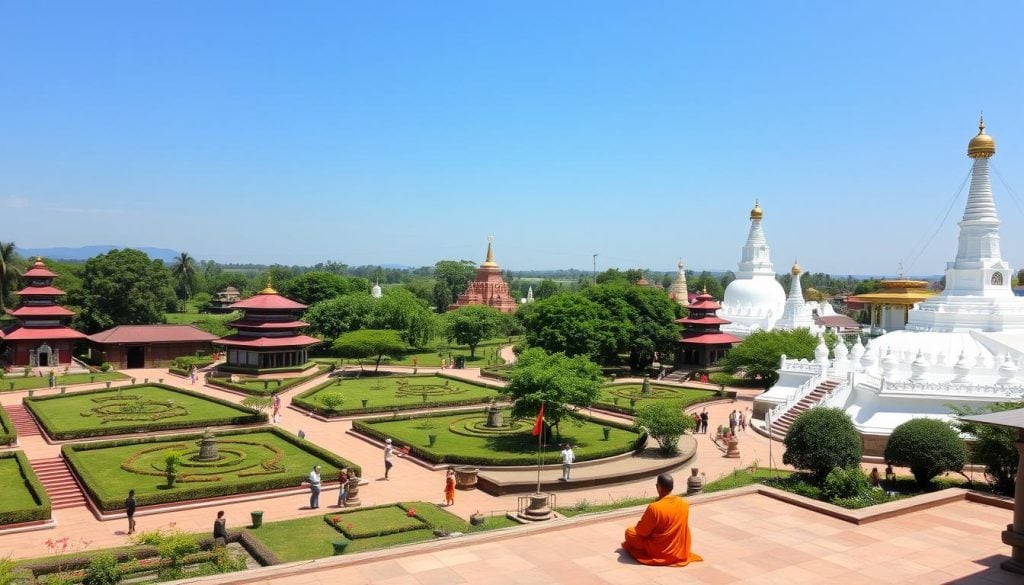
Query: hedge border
{"points": [[10, 434], [42, 511], [253, 416], [364, 426], [423, 525], [289, 480], [282, 370], [714, 395], [285, 383], [302, 400]]}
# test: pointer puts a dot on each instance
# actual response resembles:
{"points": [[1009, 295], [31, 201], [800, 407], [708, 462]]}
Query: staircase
{"points": [[59, 482], [781, 425], [22, 419]]}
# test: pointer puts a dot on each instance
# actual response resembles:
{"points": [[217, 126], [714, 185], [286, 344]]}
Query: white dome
{"points": [[759, 296], [376, 292]]}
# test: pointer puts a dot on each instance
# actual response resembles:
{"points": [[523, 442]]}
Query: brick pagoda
{"points": [[488, 288]]}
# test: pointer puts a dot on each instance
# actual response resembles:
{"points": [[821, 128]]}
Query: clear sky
{"points": [[406, 132]]}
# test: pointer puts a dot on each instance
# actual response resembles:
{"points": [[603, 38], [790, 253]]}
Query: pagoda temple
{"points": [[268, 336], [41, 338], [703, 342], [488, 288], [677, 292], [890, 307]]}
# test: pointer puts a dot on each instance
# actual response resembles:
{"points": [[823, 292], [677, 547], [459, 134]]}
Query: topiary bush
{"points": [[664, 420], [848, 482], [820, 440], [928, 447]]}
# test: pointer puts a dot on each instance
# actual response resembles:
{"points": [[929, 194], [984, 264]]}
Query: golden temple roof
{"points": [[796, 268], [982, 145], [269, 290], [896, 292], [756, 212], [490, 254]]}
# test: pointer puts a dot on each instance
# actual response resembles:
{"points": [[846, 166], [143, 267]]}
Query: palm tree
{"points": [[184, 270], [10, 269]]}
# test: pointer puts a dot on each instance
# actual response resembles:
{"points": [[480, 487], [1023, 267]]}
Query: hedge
{"points": [[496, 372], [282, 370], [626, 409], [32, 484], [9, 435], [302, 400], [363, 426], [144, 427], [291, 480], [271, 389]]}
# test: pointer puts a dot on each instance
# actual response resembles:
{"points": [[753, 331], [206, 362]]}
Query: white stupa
{"points": [[755, 300], [677, 291], [797, 312], [376, 292], [964, 346]]}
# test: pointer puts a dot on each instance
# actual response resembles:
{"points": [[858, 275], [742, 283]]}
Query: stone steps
{"points": [[781, 425], [23, 421], [59, 482]]}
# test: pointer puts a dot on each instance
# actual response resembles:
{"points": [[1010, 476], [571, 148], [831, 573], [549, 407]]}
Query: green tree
{"points": [[665, 422], [928, 447], [561, 383], [401, 310], [103, 569], [123, 287], [546, 288], [473, 324], [705, 281], [642, 319], [184, 272], [332, 317], [820, 440], [569, 323], [10, 269], [759, 354], [994, 447], [313, 287], [452, 279], [365, 343]]}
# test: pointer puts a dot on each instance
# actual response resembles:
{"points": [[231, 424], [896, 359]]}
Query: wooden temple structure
{"points": [[41, 338], [268, 337], [703, 343], [488, 288]]}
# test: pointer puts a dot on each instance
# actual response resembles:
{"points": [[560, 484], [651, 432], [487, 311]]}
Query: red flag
{"points": [[537, 426]]}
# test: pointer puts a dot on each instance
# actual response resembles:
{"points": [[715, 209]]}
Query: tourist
{"points": [[733, 422], [314, 487], [696, 422], [129, 509], [389, 455], [662, 536], [449, 488], [890, 475], [302, 434], [277, 407], [343, 490], [53, 379], [220, 529], [567, 457], [874, 477], [193, 375], [704, 421], [743, 421]]}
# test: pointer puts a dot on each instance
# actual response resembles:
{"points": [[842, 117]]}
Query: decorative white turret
{"points": [[677, 291], [796, 313], [529, 295], [755, 300], [376, 291]]}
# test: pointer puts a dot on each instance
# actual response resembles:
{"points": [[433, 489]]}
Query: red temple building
{"points": [[268, 336], [703, 342], [41, 338], [488, 288]]}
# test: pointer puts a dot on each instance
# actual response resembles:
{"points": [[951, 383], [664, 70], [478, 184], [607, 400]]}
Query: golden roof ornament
{"points": [[490, 253], [796, 270], [756, 212], [982, 145], [270, 287]]}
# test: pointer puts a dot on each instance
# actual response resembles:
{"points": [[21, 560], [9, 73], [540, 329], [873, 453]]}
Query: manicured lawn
{"points": [[431, 357], [211, 323], [383, 393], [621, 396], [12, 486], [310, 538], [24, 499], [253, 460], [128, 409], [463, 438], [742, 477], [15, 381], [270, 386]]}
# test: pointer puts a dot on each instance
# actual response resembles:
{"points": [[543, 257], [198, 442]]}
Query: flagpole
{"points": [[540, 446]]}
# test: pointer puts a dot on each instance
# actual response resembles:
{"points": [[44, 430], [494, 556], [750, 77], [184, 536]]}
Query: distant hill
{"points": [[86, 252]]}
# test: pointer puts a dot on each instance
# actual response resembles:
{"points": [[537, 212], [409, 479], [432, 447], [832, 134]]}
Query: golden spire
{"points": [[796, 270], [270, 287], [490, 253], [982, 145], [756, 212]]}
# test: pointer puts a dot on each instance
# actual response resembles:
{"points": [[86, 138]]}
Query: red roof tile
{"points": [[23, 333], [35, 291], [41, 311], [256, 324], [268, 342], [703, 321], [152, 334], [709, 338], [267, 301], [841, 321]]}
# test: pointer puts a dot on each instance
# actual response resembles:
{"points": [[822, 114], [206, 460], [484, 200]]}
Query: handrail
{"points": [[803, 390]]}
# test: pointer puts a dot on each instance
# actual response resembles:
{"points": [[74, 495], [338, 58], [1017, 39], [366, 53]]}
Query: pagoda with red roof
{"points": [[703, 342], [488, 288], [268, 336], [41, 338]]}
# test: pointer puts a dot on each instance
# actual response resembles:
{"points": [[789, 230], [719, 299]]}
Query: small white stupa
{"points": [[376, 291]]}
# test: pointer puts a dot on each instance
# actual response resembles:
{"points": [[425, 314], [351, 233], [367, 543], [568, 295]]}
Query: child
{"points": [[449, 488]]}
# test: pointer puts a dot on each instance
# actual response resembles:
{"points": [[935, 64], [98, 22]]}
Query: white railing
{"points": [[952, 389], [800, 366], [831, 398], [803, 390]]}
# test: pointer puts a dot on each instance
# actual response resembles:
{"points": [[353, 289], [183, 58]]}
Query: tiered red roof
{"points": [[269, 321], [703, 325], [39, 316]]}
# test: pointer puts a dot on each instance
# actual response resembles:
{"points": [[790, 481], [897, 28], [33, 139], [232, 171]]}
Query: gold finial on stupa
{"points": [[490, 253], [756, 212], [796, 270], [270, 287], [982, 145]]}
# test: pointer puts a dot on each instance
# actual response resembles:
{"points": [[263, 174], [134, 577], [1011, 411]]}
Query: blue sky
{"points": [[406, 132]]}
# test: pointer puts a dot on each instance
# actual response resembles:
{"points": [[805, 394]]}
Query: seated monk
{"points": [[662, 537]]}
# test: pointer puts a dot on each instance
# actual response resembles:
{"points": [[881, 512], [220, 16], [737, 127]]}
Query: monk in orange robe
{"points": [[662, 537]]}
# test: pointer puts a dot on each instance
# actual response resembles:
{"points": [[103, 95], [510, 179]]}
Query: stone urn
{"points": [[694, 484], [466, 477], [352, 499], [208, 447], [733, 448], [646, 387], [494, 418]]}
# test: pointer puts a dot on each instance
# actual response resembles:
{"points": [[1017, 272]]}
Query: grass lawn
{"points": [[18, 382], [209, 322], [250, 461], [24, 499], [620, 396], [382, 393], [742, 477], [12, 486], [108, 412], [486, 355], [462, 438], [310, 538]]}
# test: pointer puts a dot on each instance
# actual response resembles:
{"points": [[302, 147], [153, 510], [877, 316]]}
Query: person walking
{"points": [[314, 487], [389, 456], [343, 492], [743, 421], [220, 529], [277, 407], [704, 421], [129, 508], [568, 457], [193, 375], [449, 488]]}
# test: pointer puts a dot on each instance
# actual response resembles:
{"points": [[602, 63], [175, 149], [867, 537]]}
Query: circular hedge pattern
{"points": [[656, 393], [237, 457], [131, 407], [476, 426], [405, 389]]}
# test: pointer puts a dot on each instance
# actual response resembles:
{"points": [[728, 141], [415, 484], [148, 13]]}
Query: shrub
{"points": [[820, 440], [103, 570], [848, 482], [928, 447], [995, 447], [333, 401], [665, 421], [105, 367]]}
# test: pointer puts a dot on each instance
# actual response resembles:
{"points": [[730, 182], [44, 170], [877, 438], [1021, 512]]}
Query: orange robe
{"points": [[662, 537], [449, 489]]}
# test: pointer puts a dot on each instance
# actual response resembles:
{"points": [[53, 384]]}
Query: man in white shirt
{"points": [[314, 487], [567, 459], [389, 455]]}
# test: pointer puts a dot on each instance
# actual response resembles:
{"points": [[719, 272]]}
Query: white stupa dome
{"points": [[761, 295]]}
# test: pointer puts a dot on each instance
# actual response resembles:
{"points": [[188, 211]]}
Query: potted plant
{"points": [[171, 463], [340, 545]]}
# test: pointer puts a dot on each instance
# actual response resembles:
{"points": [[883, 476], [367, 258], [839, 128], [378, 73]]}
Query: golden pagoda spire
{"points": [[796, 268], [756, 212], [270, 286], [982, 145], [490, 253]]}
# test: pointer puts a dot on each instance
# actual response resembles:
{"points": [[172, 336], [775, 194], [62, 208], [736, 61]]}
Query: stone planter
{"points": [[352, 499], [257, 518], [694, 484], [466, 477]]}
